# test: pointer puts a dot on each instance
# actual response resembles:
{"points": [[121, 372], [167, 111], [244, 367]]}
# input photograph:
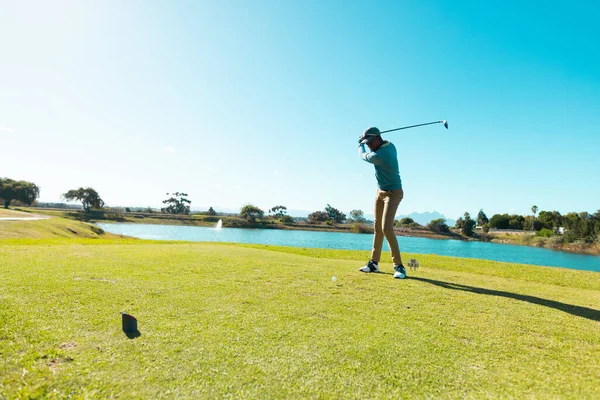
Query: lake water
{"points": [[352, 241]]}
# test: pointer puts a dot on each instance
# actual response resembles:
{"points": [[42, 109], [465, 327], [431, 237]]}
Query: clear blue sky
{"points": [[261, 102]]}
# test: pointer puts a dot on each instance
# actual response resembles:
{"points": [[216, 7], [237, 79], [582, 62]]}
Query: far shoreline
{"points": [[230, 221]]}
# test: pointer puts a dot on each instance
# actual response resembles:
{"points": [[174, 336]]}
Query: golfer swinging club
{"points": [[389, 195]]}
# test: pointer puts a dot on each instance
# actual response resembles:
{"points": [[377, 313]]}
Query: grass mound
{"points": [[7, 213], [49, 228], [222, 320]]}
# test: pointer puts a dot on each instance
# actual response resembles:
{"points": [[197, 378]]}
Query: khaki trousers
{"points": [[386, 204]]}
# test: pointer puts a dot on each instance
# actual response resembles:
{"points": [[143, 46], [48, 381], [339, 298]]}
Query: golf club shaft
{"points": [[412, 126]]}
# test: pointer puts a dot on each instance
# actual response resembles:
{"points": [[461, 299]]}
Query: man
{"points": [[389, 195]]}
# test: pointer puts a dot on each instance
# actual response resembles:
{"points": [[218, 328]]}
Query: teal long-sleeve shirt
{"points": [[385, 160]]}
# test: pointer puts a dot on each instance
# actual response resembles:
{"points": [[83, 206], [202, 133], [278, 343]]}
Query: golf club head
{"points": [[445, 124]]}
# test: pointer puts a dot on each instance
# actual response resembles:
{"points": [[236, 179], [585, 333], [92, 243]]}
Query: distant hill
{"points": [[426, 217]]}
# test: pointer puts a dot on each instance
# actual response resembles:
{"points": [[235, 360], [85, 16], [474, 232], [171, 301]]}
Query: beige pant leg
{"points": [[391, 201], [378, 227]]}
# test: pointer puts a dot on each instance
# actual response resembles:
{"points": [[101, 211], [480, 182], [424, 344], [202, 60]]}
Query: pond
{"points": [[352, 241]]}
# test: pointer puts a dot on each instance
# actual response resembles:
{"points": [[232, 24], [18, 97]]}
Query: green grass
{"points": [[12, 213], [50, 228], [229, 321]]}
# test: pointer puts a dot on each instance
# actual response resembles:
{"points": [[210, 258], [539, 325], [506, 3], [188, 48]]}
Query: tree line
{"points": [[573, 226]]}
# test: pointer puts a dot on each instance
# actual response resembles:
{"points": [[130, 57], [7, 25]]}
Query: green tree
{"points": [[482, 219], [357, 216], [550, 220], [596, 223], [460, 222], [528, 221], [28, 192], [23, 191], [406, 221], [318, 216], [211, 211], [499, 221], [468, 225], [438, 225], [287, 219], [334, 214], [588, 232], [278, 211], [572, 222], [251, 213], [88, 197], [178, 203], [516, 221], [534, 210]]}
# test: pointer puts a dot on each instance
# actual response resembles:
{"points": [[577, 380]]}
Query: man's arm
{"points": [[370, 157]]}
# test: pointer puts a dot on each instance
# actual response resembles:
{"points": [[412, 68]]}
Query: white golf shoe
{"points": [[371, 266], [399, 271]]}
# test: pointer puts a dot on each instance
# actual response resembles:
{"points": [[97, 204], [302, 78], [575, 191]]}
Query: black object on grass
{"points": [[130, 326]]}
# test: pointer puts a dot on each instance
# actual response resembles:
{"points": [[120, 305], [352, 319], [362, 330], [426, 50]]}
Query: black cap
{"points": [[369, 134]]}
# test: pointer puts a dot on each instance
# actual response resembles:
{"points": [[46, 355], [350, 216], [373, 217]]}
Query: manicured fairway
{"points": [[227, 321]]}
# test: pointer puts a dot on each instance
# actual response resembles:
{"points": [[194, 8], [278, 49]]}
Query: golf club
{"points": [[414, 126]]}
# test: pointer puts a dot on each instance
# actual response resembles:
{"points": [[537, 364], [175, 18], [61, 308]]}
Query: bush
{"points": [[580, 245], [485, 228], [438, 226], [484, 237], [406, 221], [97, 230], [570, 236], [527, 238], [251, 213], [236, 222], [555, 241], [286, 219], [318, 216], [361, 228], [545, 233]]}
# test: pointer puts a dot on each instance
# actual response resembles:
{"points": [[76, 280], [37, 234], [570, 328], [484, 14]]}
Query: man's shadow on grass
{"points": [[578, 311]]}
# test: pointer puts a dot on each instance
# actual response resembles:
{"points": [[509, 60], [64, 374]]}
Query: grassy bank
{"points": [[50, 228], [8, 213], [268, 322], [555, 242]]}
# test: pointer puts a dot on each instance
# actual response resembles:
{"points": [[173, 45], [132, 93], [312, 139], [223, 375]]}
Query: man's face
{"points": [[374, 143]]}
